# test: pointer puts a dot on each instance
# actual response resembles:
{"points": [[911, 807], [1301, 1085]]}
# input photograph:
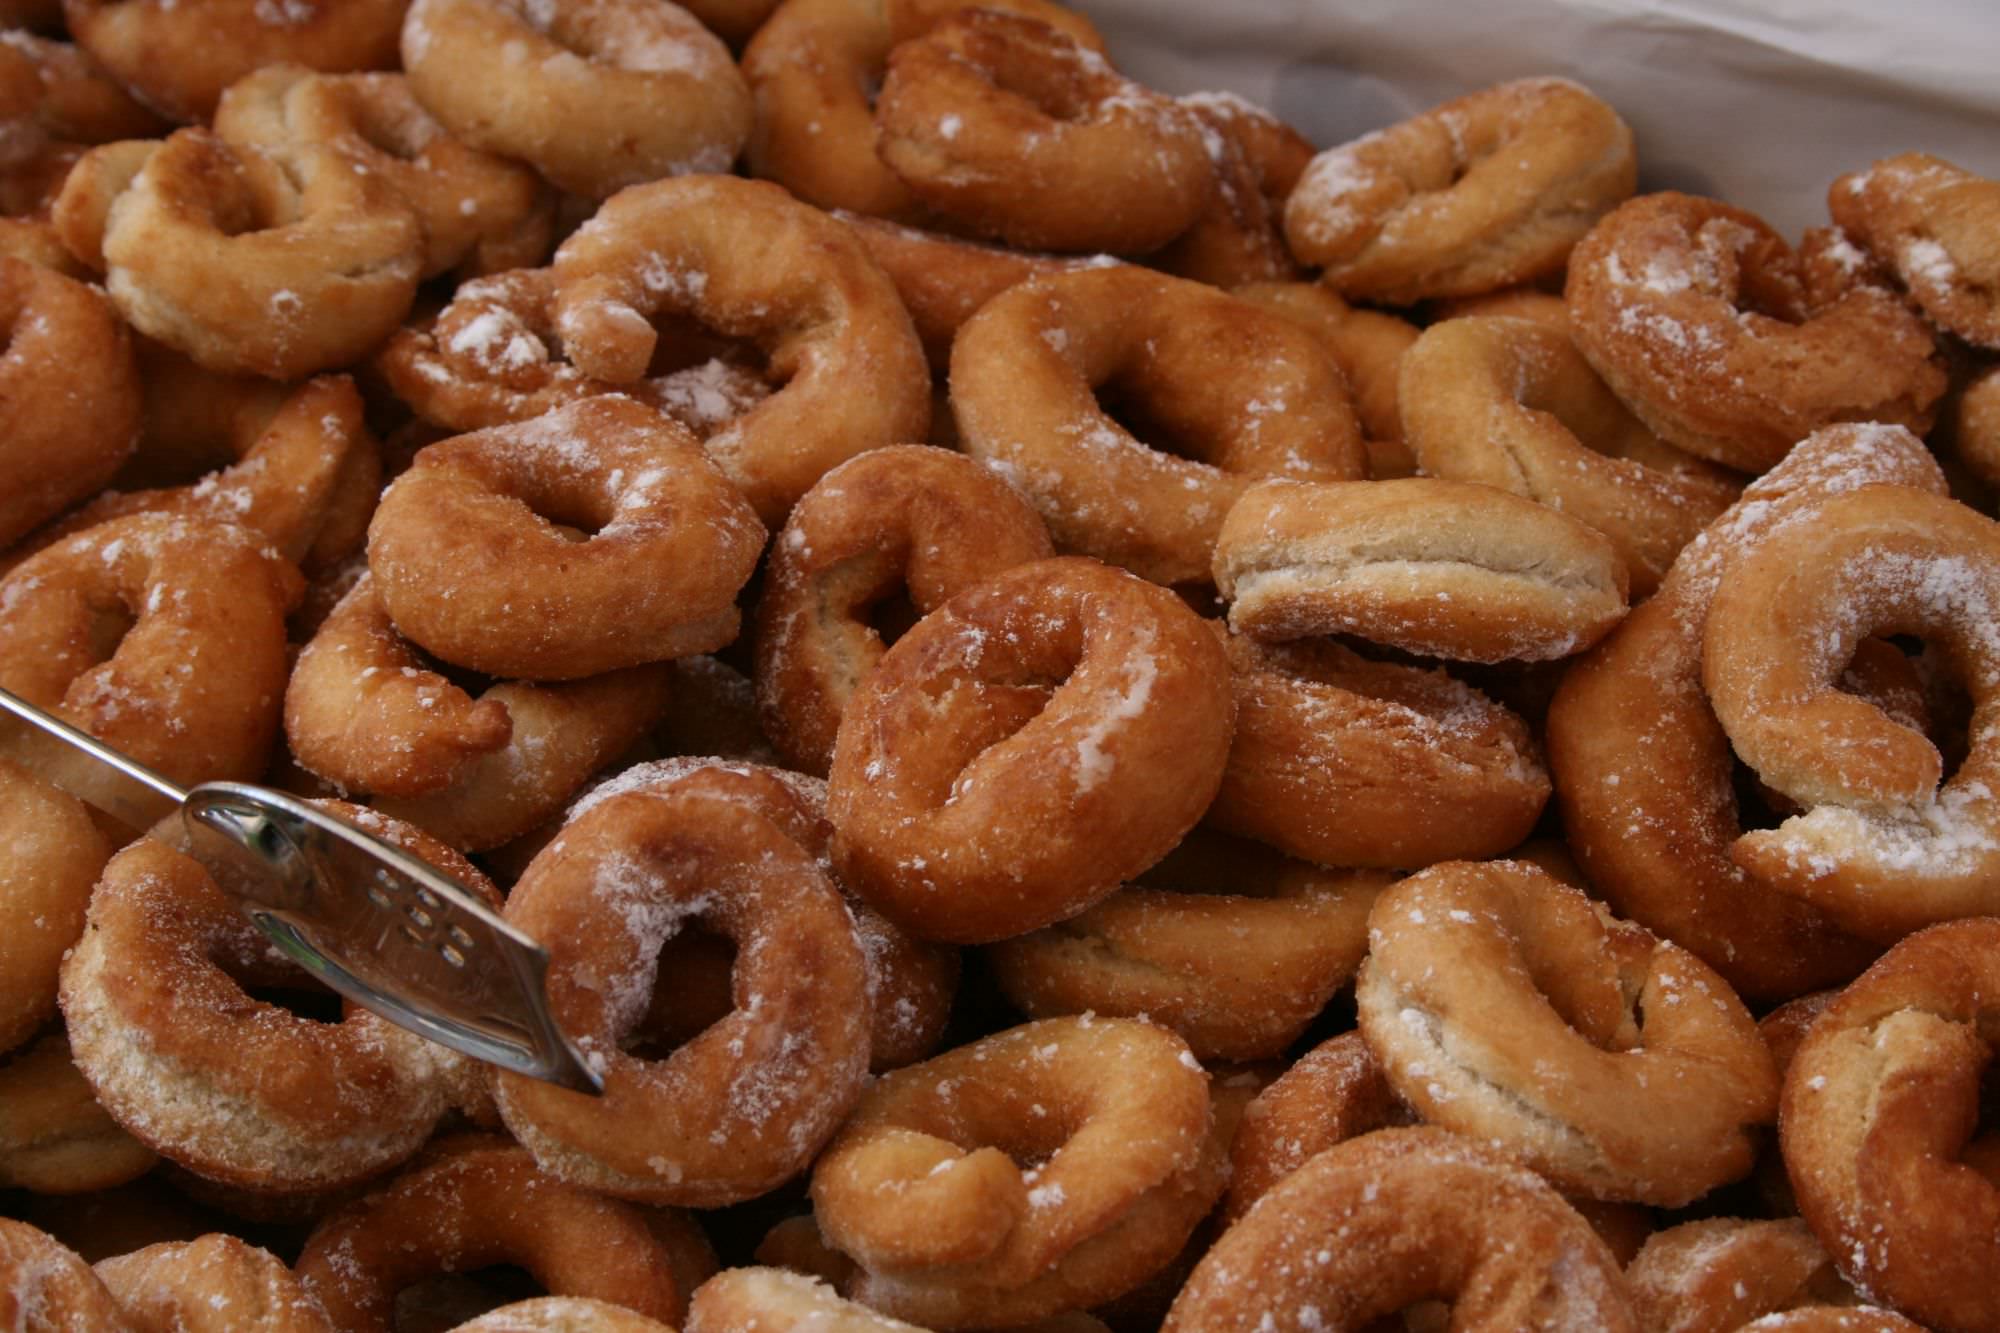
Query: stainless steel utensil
{"points": [[375, 923]]}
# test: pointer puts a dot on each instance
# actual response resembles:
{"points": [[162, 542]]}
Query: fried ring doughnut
{"points": [[1717, 1274], [69, 394], [742, 1300], [54, 1137], [46, 1285], [594, 94], [922, 1188], [1504, 1004], [814, 68], [909, 519], [481, 213], [215, 1284], [1014, 130], [1448, 568], [280, 265], [233, 1088], [1332, 1093], [162, 637], [54, 854], [1513, 404], [1234, 950], [1975, 426], [1880, 1103], [1234, 393], [1419, 1214], [28, 194], [944, 280], [1257, 159], [1832, 1319], [1933, 224], [1369, 346], [1644, 770], [490, 359], [1480, 193], [79, 102], [1698, 316], [180, 68], [470, 563], [475, 1201], [1883, 849], [305, 482], [1348, 762], [823, 315], [562, 1314], [745, 1105], [1026, 748]]}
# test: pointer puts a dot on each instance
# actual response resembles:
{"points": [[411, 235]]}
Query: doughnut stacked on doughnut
{"points": [[1193, 562]]}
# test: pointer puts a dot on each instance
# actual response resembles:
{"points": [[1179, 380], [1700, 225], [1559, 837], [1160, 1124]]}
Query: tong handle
{"points": [[123, 788]]}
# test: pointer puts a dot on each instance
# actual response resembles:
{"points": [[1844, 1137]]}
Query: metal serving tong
{"points": [[375, 923]]}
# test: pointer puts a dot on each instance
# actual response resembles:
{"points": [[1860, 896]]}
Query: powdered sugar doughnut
{"points": [[1718, 1274], [594, 94], [908, 518], [1420, 1214], [78, 102], [1021, 751], [562, 1314], [233, 1088], [1350, 762], [1257, 159], [1883, 848], [69, 394], [1014, 130], [54, 1137], [46, 1285], [207, 1284], [1504, 1004], [1699, 317], [54, 854], [469, 562], [823, 316], [1933, 224], [742, 1107], [1219, 393], [178, 63], [1482, 192]]}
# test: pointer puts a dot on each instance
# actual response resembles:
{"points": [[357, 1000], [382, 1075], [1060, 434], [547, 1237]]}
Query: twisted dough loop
{"points": [[1933, 224]]}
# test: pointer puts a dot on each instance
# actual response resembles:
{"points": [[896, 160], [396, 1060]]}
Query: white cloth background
{"points": [[1759, 102]]}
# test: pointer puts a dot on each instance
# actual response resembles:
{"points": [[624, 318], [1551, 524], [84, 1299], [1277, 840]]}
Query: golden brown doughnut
{"points": [[1932, 223], [476, 1201], [178, 62], [78, 101], [562, 1314], [1014, 130], [1256, 158], [742, 1300], [739, 1109], [54, 854], [1218, 393], [481, 213], [1447, 568], [922, 1186], [594, 94], [1644, 771], [1834, 1319], [1369, 347], [907, 520], [216, 1284], [1699, 317], [28, 194], [1975, 425], [827, 322], [814, 68], [54, 1137], [1506, 1005], [69, 394], [46, 1285], [161, 636], [469, 562], [1482, 192], [1879, 1104], [235, 1088], [1397, 1217], [1234, 949], [1512, 404], [1527, 302], [1882, 848], [1717, 1274], [1345, 761], [278, 264], [1024, 749]]}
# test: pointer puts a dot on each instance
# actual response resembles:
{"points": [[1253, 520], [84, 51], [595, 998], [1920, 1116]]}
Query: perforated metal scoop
{"points": [[375, 923]]}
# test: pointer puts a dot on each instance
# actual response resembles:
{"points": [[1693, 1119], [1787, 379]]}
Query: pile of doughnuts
{"points": [[1109, 720]]}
